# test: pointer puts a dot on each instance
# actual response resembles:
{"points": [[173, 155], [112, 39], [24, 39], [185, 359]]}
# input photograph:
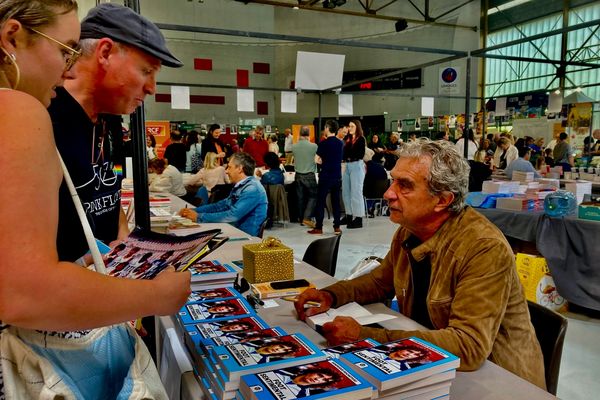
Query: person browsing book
{"points": [[246, 206], [39, 291], [451, 270], [116, 71]]}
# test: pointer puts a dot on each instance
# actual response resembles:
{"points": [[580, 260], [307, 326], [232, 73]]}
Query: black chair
{"points": [[550, 329], [262, 227], [322, 254]]}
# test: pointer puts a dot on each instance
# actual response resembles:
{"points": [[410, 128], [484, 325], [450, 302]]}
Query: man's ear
{"points": [[104, 49], [444, 201]]}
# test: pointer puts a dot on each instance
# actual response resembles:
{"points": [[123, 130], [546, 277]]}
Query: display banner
{"points": [[161, 131]]}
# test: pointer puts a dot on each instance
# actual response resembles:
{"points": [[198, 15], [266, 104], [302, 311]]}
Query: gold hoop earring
{"points": [[10, 58]]}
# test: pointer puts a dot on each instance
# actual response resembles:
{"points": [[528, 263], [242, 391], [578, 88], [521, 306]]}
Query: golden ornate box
{"points": [[268, 261]]}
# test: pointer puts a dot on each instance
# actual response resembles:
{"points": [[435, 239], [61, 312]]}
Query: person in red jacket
{"points": [[257, 147]]}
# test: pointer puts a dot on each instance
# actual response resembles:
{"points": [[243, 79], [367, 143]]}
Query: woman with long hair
{"points": [[212, 144], [208, 177], [38, 41], [193, 153], [354, 176], [150, 146], [472, 146]]}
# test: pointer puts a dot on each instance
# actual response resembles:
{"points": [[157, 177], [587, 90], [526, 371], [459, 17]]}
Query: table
{"points": [[568, 245], [490, 382]]}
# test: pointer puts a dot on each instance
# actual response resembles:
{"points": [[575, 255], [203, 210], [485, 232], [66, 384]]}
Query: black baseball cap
{"points": [[124, 25]]}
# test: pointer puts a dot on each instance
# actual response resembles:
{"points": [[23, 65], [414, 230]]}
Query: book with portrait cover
{"points": [[213, 294], [320, 380], [214, 310], [400, 362], [143, 255], [201, 344], [265, 354], [335, 352], [211, 270]]}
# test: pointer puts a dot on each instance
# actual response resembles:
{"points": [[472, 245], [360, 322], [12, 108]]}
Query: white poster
{"points": [[180, 97], [245, 100], [427, 106], [555, 102], [449, 80], [500, 106], [289, 102], [345, 104], [318, 71]]}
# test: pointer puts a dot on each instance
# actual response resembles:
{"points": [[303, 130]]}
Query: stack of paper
{"points": [[579, 189], [354, 310], [500, 187]]}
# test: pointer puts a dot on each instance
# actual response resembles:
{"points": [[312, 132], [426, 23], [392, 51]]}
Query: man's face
{"points": [[130, 75], [275, 349], [596, 134], [411, 203], [235, 328], [258, 135], [406, 354], [313, 378], [234, 172], [220, 309]]}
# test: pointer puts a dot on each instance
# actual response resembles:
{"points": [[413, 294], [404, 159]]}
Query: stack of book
{"points": [[228, 340], [520, 203], [212, 274], [500, 187], [409, 368], [266, 291]]}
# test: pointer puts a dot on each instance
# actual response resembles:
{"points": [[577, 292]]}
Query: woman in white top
{"points": [[150, 147], [193, 153], [208, 177], [509, 153], [168, 178], [37, 50], [460, 144], [273, 146]]}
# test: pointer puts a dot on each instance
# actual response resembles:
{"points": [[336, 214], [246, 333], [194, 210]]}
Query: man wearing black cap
{"points": [[121, 54]]}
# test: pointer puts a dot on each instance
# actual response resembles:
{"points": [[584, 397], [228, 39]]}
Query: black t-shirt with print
{"points": [[86, 149]]}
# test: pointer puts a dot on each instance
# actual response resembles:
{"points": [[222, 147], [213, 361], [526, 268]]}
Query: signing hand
{"points": [[319, 296], [341, 330], [189, 214]]}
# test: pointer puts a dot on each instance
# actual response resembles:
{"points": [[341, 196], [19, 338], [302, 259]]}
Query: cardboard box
{"points": [[589, 211]]}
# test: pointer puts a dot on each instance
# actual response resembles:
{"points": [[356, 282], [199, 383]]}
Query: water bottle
{"points": [[560, 203]]}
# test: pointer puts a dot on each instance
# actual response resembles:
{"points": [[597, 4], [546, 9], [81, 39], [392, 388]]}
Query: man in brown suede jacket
{"points": [[450, 268]]}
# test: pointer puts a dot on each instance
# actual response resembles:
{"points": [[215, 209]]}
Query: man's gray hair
{"points": [[88, 46], [305, 131], [449, 171], [245, 161]]}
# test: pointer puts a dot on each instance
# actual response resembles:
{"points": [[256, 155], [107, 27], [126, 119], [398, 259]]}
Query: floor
{"points": [[581, 352]]}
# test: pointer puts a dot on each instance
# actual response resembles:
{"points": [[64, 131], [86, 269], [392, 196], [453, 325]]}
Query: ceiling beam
{"points": [[337, 10]]}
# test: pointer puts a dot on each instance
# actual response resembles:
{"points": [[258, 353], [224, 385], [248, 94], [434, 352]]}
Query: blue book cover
{"points": [[213, 294], [309, 381], [334, 352], [210, 376], [265, 354], [205, 345], [400, 362], [199, 334], [211, 270], [214, 310]]}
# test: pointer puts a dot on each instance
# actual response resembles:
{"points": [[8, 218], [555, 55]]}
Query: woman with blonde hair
{"points": [[38, 47], [209, 176]]}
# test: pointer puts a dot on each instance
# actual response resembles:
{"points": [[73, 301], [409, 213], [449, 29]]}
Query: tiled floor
{"points": [[580, 367]]}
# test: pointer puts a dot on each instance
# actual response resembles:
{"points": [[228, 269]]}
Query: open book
{"points": [[354, 310], [143, 255]]}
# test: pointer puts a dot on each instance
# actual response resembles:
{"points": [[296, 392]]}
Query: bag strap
{"points": [[85, 224]]}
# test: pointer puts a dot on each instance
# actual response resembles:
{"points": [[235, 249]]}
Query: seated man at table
{"points": [[246, 206], [522, 163], [451, 269]]}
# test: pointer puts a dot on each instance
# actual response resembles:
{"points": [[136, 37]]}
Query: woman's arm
{"points": [[36, 290]]}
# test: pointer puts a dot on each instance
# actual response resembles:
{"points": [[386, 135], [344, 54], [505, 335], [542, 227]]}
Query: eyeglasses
{"points": [[70, 58]]}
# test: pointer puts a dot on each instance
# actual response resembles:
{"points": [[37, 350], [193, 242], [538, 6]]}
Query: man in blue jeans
{"points": [[330, 152], [246, 206]]}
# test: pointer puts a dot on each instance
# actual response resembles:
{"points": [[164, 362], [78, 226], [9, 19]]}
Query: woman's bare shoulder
{"points": [[16, 105]]}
